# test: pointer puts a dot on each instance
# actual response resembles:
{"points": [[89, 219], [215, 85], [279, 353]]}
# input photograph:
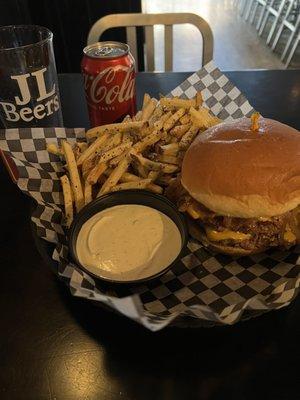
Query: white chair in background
{"points": [[259, 8], [274, 17], [287, 24], [275, 10], [241, 6], [248, 9], [292, 51], [131, 21], [254, 8]]}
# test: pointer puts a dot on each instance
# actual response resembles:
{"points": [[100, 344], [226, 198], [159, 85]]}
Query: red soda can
{"points": [[108, 70]]}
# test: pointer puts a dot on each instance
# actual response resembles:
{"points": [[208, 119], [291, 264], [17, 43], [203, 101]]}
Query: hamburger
{"points": [[240, 186]]}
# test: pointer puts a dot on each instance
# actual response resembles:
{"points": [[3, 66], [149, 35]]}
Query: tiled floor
{"points": [[236, 43]]}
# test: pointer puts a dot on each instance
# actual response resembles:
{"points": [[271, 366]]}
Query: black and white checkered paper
{"points": [[204, 288]]}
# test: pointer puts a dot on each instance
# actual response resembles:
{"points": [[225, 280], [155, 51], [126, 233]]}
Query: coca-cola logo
{"points": [[106, 88]]}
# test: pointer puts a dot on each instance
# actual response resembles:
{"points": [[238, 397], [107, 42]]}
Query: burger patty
{"points": [[265, 232]]}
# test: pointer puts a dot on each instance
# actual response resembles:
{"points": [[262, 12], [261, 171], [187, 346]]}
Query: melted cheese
{"points": [[216, 236], [289, 236]]}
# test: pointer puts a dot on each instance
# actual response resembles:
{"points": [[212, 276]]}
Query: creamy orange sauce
{"points": [[128, 242]]}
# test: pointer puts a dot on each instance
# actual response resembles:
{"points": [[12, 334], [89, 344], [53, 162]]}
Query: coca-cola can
{"points": [[108, 70]]}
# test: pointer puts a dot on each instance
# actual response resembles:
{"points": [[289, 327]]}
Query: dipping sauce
{"points": [[128, 242]]}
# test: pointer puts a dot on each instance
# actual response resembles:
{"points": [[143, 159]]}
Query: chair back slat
{"points": [[168, 47], [149, 39], [131, 41], [148, 21]]}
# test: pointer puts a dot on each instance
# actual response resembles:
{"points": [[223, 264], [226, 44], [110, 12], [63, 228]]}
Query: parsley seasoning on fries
{"points": [[143, 152]]}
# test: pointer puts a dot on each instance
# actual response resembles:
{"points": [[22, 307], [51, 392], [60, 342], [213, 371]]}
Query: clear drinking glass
{"points": [[29, 94]]}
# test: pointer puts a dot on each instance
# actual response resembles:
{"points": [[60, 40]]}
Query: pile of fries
{"points": [[143, 152]]}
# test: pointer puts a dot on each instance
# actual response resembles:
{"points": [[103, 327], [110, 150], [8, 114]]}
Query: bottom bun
{"points": [[198, 233]]}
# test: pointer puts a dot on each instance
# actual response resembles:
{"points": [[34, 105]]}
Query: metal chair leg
{"points": [[248, 12], [282, 25], [242, 7], [292, 52], [261, 16], [254, 12], [265, 18], [275, 22], [291, 38]]}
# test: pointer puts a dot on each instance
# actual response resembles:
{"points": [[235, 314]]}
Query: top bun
{"points": [[238, 172]]}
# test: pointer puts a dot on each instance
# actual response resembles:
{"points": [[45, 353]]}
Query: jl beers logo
{"points": [[48, 101]]}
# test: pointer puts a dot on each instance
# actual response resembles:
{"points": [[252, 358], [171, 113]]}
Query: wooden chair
{"points": [[131, 21]]}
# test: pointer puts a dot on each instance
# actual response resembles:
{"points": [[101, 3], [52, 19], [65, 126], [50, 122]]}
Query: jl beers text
{"points": [[48, 102]]}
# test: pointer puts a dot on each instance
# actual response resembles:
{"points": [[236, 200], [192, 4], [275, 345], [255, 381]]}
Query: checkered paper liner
{"points": [[204, 288]]}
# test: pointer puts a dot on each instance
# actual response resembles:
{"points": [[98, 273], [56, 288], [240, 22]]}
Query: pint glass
{"points": [[29, 95]]}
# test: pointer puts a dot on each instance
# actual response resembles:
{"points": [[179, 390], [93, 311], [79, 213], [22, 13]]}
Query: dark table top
{"points": [[55, 346]]}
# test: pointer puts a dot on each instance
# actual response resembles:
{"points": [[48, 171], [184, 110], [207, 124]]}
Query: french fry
{"points": [[169, 149], [72, 195], [115, 176], [114, 152], [76, 150], [177, 103], [166, 139], [146, 100], [83, 146], [87, 166], [180, 130], [158, 112], [93, 149], [139, 168], [168, 159], [164, 180], [95, 173], [152, 186], [188, 137], [67, 194], [156, 166], [173, 119], [254, 121], [108, 172], [148, 110], [186, 119], [153, 175], [128, 177], [126, 137], [147, 141], [147, 130], [138, 116], [54, 149], [155, 188], [74, 175], [115, 161], [113, 128], [141, 184], [127, 118], [87, 192], [158, 125], [199, 99], [202, 118], [193, 210], [113, 141]]}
